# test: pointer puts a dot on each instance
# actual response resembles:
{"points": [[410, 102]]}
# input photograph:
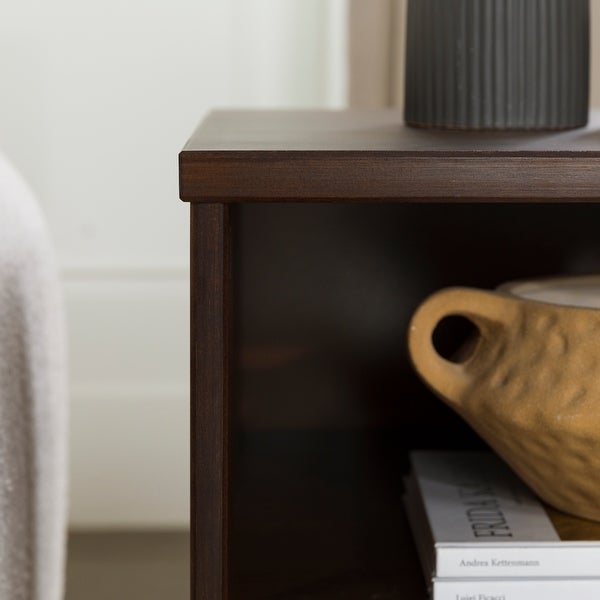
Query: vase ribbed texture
{"points": [[497, 64]]}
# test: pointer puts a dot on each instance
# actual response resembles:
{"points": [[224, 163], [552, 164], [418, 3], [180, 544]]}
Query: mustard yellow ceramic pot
{"points": [[530, 385]]}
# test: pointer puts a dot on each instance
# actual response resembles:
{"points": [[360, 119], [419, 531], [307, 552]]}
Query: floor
{"points": [[128, 566]]}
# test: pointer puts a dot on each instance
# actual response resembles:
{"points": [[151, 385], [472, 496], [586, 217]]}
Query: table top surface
{"points": [[370, 155], [372, 131]]}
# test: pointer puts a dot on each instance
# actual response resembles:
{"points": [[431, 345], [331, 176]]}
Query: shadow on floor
{"points": [[128, 566]]}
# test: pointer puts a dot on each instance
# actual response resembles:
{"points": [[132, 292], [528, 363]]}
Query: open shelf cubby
{"points": [[315, 235]]}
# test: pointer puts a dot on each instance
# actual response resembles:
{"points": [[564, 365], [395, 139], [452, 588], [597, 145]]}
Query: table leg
{"points": [[210, 398]]}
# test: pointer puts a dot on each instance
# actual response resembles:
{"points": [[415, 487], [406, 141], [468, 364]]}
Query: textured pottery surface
{"points": [[497, 64], [531, 385]]}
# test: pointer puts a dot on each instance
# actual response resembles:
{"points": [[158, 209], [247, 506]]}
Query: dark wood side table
{"points": [[314, 235]]}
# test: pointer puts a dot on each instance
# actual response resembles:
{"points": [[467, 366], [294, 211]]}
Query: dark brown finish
{"points": [[371, 131], [314, 518], [370, 155], [327, 291], [210, 348], [325, 405]]}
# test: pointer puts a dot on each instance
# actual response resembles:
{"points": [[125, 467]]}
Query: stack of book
{"points": [[482, 535]]}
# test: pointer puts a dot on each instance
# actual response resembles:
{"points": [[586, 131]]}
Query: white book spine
{"points": [[471, 517], [517, 589], [567, 560]]}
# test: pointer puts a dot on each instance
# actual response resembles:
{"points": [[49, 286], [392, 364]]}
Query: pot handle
{"points": [[489, 311]]}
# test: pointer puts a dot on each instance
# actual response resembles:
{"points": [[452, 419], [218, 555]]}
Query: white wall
{"points": [[595, 54], [97, 100]]}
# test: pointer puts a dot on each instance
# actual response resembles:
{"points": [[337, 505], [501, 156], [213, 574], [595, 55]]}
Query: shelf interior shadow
{"points": [[326, 404]]}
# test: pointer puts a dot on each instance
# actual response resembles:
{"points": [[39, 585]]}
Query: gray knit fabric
{"points": [[33, 411]]}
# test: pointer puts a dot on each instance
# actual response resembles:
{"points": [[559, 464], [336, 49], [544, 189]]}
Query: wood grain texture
{"points": [[210, 347], [365, 155]]}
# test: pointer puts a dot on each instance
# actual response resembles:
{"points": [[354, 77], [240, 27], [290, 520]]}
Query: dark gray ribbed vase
{"points": [[497, 64]]}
